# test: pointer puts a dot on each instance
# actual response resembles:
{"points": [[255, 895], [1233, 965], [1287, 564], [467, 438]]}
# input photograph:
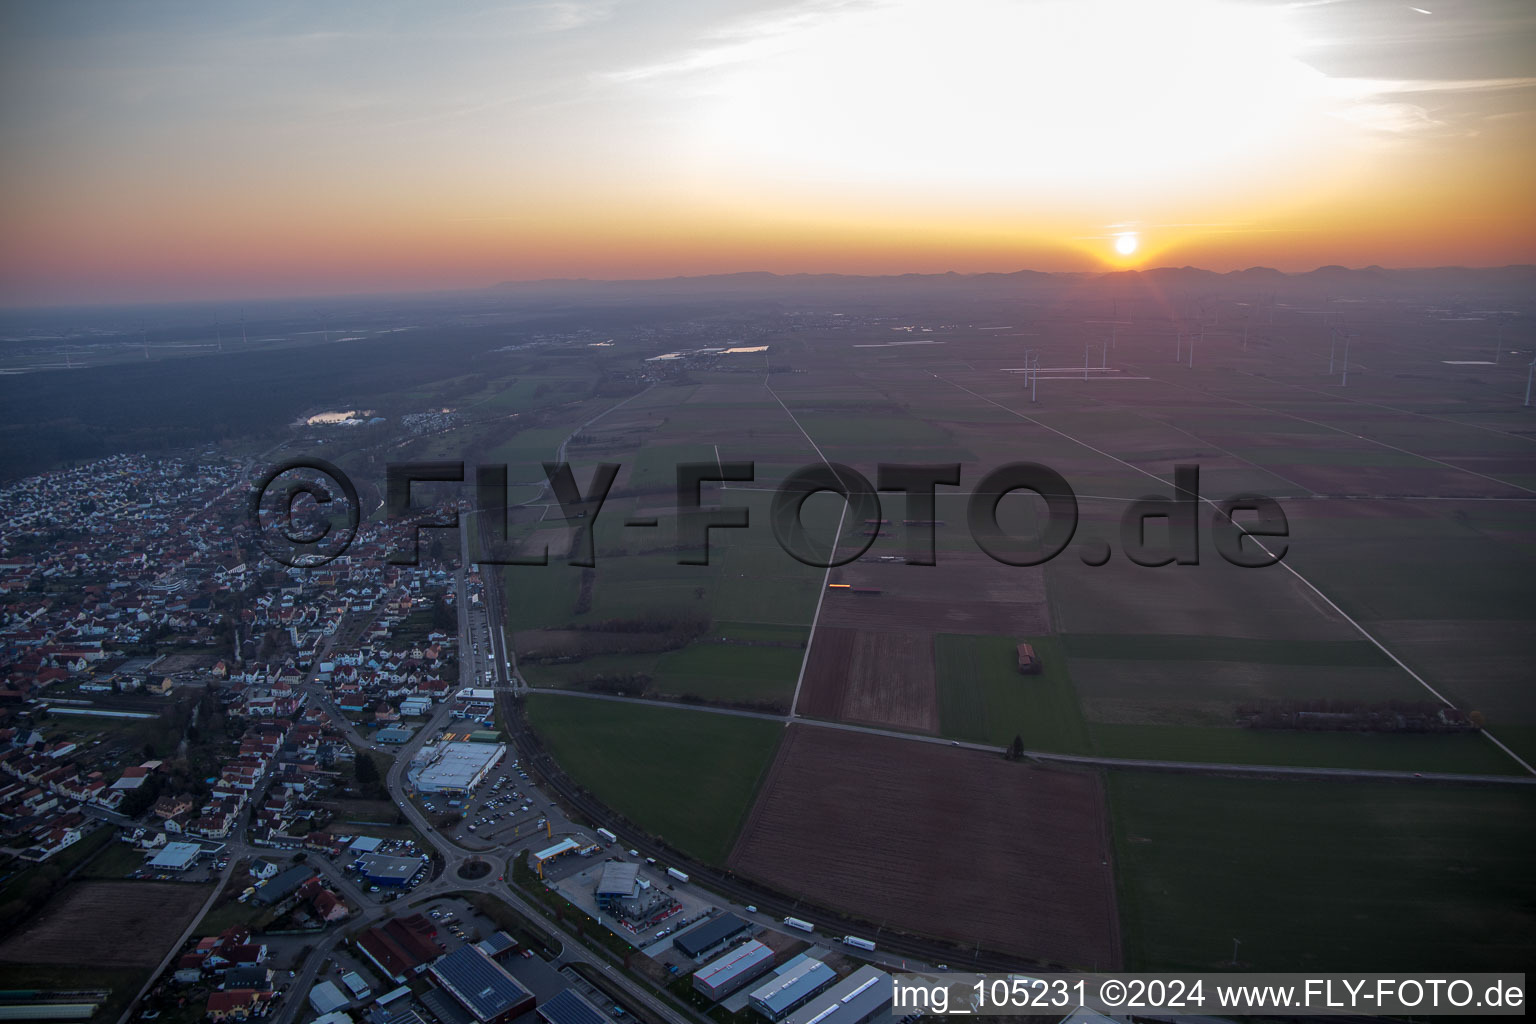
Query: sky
{"points": [[164, 151]]}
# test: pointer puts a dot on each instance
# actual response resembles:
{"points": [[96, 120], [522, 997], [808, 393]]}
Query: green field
{"points": [[1335, 876], [687, 776], [1411, 752], [730, 672], [983, 697]]}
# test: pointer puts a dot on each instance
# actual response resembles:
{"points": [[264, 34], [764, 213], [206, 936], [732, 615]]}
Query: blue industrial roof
{"points": [[570, 1008], [479, 982], [853, 1000], [788, 987]]}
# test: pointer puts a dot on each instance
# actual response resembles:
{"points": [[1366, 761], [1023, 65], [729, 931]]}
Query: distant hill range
{"points": [[1324, 282]]}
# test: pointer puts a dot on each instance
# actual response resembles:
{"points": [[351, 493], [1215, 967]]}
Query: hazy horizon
{"points": [[174, 152]]}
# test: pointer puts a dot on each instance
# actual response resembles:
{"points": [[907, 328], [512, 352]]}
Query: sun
{"points": [[1126, 243]]}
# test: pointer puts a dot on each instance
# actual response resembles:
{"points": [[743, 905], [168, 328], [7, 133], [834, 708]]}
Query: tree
{"points": [[367, 772], [1016, 750]]}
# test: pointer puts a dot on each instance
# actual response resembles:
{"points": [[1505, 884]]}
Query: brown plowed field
{"points": [[950, 843], [109, 924], [878, 678]]}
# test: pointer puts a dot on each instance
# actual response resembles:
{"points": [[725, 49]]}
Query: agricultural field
{"points": [[130, 924], [1337, 876], [1409, 511], [928, 839], [686, 776], [984, 698], [875, 678]]}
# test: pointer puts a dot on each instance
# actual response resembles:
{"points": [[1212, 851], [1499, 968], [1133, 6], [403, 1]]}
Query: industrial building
{"points": [[176, 857], [791, 985], [481, 986], [284, 884], [497, 945], [474, 703], [862, 995], [400, 947], [619, 881], [396, 734], [327, 998], [453, 767], [729, 972], [382, 869], [710, 935], [570, 1008], [444, 1009]]}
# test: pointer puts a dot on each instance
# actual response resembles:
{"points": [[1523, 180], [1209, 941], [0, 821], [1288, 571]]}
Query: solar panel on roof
{"points": [[568, 1007]]}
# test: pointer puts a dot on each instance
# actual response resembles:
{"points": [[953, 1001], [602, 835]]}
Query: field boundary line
{"points": [[1048, 756], [1339, 430], [821, 596], [1283, 564]]}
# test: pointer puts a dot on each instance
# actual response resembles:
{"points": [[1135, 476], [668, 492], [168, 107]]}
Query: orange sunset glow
{"points": [[174, 151]]}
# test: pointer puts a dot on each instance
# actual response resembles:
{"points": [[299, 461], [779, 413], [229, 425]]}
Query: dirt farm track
{"points": [[951, 843]]}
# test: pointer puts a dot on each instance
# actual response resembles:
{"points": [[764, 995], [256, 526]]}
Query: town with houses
{"points": [[253, 765]]}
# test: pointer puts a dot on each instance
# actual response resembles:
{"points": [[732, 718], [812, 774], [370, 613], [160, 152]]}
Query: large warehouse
{"points": [[481, 986], [454, 768], [854, 1000], [732, 970], [382, 869], [791, 985], [710, 935]]}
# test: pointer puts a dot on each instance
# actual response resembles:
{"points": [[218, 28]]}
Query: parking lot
{"points": [[503, 811]]}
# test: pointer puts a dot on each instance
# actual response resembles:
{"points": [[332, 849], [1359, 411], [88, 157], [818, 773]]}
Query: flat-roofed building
{"points": [[730, 971], [176, 857], [568, 1007], [791, 985], [453, 767], [710, 936], [854, 1000]]}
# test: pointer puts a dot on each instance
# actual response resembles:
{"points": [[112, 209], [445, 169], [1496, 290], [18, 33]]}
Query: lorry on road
{"points": [[795, 922], [854, 940], [681, 876]]}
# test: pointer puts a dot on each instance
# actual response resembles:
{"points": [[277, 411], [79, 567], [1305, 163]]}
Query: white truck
{"points": [[795, 922], [854, 940], [681, 876]]}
